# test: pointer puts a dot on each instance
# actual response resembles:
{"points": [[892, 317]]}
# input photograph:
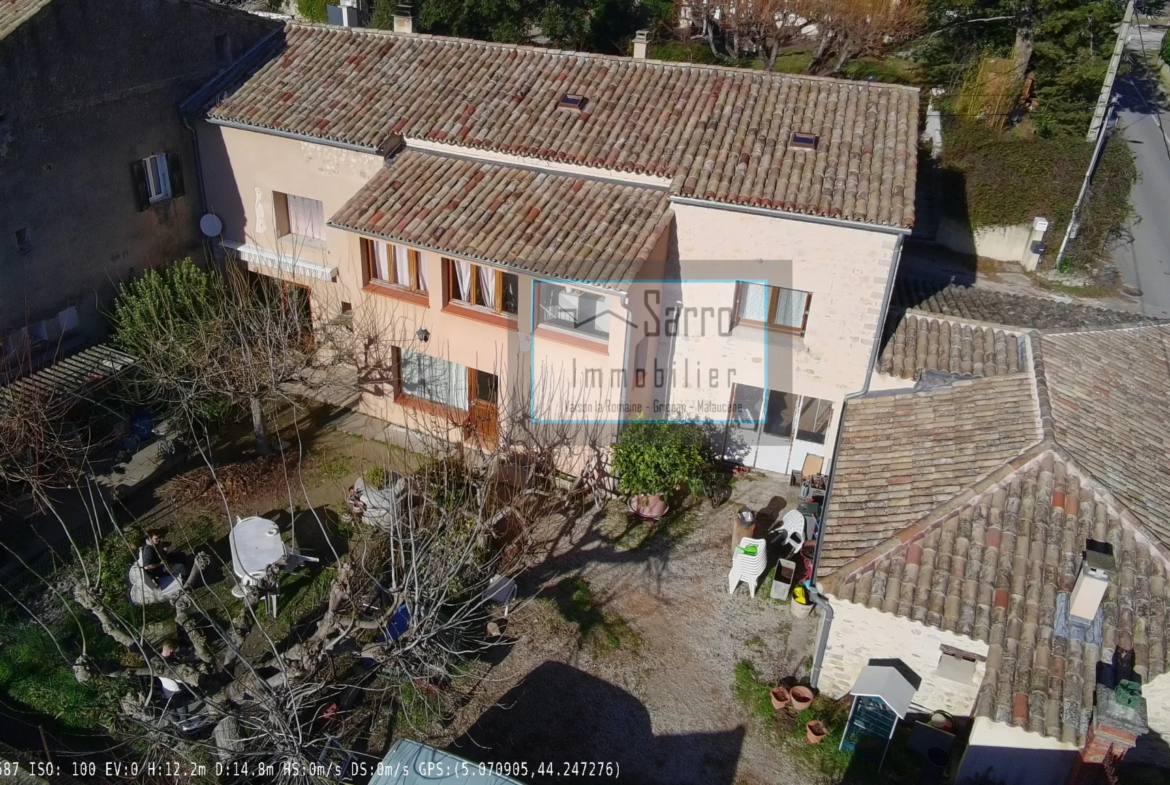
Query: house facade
{"points": [[996, 522], [98, 179], [578, 237]]}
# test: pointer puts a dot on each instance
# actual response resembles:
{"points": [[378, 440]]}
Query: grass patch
{"points": [[629, 533], [754, 694], [303, 593], [891, 70], [792, 62], [825, 757], [333, 467], [602, 632]]}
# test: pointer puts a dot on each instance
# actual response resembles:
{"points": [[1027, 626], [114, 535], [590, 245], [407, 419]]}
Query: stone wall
{"points": [[89, 88], [859, 634]]}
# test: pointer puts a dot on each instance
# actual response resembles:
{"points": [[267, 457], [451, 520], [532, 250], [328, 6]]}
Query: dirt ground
{"points": [[655, 697], [660, 705]]}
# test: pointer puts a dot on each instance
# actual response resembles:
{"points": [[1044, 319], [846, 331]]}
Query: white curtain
{"points": [[790, 308], [487, 286], [401, 266], [306, 217], [463, 276], [422, 274], [434, 379], [753, 302], [381, 262]]}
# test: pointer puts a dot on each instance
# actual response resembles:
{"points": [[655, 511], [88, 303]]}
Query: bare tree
{"points": [[854, 28], [409, 609]]}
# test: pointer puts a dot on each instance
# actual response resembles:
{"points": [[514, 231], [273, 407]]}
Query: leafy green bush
{"points": [[992, 178], [682, 52], [661, 457], [1164, 52], [313, 10]]}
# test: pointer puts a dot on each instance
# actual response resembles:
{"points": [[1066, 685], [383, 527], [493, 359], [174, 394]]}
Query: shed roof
{"points": [[888, 683]]}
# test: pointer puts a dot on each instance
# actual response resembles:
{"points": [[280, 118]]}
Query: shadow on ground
{"points": [[559, 715]]}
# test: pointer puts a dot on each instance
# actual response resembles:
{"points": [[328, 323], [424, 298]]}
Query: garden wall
{"points": [[1002, 243]]}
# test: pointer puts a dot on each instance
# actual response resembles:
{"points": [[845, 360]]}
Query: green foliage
{"points": [[32, 671], [177, 300], [1073, 41], [313, 10], [1164, 52], [824, 757], [661, 457], [591, 25], [995, 179], [604, 632], [754, 694], [683, 52], [383, 16]]}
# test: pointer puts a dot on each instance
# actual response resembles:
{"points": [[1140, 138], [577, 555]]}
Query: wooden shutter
{"points": [[141, 187], [175, 172]]}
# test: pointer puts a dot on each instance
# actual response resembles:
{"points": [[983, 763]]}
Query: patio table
{"points": [[255, 544]]}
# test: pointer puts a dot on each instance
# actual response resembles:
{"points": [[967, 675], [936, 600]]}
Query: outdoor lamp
{"points": [[422, 334]]}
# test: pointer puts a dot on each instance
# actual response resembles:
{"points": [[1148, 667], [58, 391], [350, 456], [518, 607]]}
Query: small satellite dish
{"points": [[210, 225]]}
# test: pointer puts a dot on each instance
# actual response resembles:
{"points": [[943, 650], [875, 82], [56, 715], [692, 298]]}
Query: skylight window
{"points": [[802, 141], [572, 101]]}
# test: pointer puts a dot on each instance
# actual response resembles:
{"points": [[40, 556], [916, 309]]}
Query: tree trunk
{"points": [[710, 33], [258, 427], [842, 58], [772, 48], [1022, 51], [819, 55]]}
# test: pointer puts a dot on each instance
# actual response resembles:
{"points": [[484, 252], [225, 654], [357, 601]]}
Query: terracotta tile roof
{"points": [[718, 133], [1109, 391], [14, 13], [1011, 310], [1001, 570], [915, 344], [902, 455], [551, 224]]}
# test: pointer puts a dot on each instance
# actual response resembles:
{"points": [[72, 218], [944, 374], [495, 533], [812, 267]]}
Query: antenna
{"points": [[210, 225]]}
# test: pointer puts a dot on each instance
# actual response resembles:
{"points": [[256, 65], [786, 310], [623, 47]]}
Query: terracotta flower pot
{"points": [[649, 506], [780, 697], [802, 698], [814, 731]]}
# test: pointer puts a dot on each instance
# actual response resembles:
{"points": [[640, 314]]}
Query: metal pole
{"points": [[1072, 221]]}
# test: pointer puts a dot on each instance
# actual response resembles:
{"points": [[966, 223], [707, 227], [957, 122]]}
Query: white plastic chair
{"points": [[748, 568], [793, 525]]}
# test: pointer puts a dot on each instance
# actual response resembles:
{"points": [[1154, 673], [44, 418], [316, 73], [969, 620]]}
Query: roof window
{"points": [[803, 141], [572, 101]]}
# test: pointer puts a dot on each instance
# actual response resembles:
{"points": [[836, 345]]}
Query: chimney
{"points": [[1097, 565], [1117, 722], [641, 44], [403, 19]]}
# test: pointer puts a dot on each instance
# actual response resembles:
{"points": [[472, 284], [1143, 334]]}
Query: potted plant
{"points": [[802, 697], [779, 696], [814, 731], [652, 460]]}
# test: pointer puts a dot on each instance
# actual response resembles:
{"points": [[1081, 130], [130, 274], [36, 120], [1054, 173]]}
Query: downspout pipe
{"points": [[204, 241], [818, 599]]}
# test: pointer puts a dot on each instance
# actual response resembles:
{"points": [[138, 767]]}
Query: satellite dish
{"points": [[210, 225]]}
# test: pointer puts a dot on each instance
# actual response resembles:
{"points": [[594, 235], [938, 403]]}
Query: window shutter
{"points": [[141, 188], [175, 170]]}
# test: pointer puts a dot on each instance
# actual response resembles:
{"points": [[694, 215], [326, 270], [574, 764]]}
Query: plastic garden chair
{"points": [[747, 566]]}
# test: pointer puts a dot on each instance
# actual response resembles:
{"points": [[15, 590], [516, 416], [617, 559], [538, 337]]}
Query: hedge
{"points": [[993, 178], [313, 10]]}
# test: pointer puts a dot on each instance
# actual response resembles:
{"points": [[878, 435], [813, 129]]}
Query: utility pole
{"points": [[1072, 220]]}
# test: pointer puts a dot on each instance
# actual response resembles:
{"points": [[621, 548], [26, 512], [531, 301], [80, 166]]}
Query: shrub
{"points": [[660, 457], [1164, 52], [313, 10], [992, 178]]}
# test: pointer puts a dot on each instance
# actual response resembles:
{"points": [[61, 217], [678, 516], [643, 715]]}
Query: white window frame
{"points": [[158, 177]]}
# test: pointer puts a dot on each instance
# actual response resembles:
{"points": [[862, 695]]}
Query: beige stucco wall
{"points": [[1014, 756], [860, 634], [845, 269]]}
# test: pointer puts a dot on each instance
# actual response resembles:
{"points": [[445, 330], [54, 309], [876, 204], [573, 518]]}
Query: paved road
{"points": [[1144, 119]]}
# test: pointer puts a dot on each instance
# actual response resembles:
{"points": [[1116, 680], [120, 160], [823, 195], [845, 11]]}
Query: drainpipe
{"points": [[208, 255], [814, 594], [826, 624]]}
